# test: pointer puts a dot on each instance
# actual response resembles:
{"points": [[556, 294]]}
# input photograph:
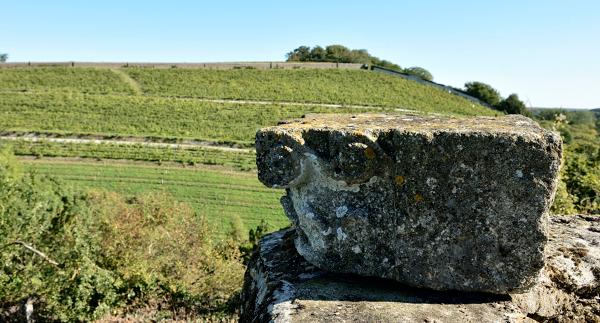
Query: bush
{"points": [[419, 72], [483, 92], [579, 186], [77, 256], [164, 252], [513, 105], [50, 256]]}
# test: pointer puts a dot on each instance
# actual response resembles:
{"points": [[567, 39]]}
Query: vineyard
{"points": [[205, 107], [238, 160], [110, 115], [220, 195], [356, 87]]}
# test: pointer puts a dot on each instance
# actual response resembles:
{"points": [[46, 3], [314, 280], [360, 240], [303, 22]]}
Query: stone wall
{"points": [[419, 219]]}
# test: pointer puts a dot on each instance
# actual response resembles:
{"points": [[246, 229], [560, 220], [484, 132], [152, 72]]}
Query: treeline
{"points": [[486, 93], [342, 54], [3, 57]]}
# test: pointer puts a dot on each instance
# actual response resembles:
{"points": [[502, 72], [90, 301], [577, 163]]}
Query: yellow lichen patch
{"points": [[399, 180], [369, 153], [418, 197]]}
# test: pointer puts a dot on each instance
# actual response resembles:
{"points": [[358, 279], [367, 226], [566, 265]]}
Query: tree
{"points": [[512, 105], [317, 54], [338, 54], [299, 54], [419, 72], [3, 57], [483, 92]]}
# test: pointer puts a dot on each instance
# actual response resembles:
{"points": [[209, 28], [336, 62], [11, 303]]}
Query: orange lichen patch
{"points": [[369, 153], [399, 180], [418, 197], [357, 133]]}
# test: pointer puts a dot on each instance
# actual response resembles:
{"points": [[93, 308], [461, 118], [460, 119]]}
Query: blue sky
{"points": [[546, 51]]}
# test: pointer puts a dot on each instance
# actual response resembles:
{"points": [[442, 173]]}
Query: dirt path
{"points": [[129, 141]]}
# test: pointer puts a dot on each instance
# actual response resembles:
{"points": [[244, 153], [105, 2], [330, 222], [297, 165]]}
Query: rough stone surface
{"points": [[569, 288], [280, 286], [442, 203]]}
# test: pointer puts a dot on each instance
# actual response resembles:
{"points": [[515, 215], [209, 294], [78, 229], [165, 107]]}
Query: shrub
{"points": [[483, 92], [50, 256], [76, 256], [165, 253], [419, 72], [513, 105]]}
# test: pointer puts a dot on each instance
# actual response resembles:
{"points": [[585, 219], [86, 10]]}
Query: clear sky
{"points": [[547, 51]]}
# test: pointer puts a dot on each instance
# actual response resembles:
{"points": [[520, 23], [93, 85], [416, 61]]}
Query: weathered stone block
{"points": [[281, 286], [442, 203]]}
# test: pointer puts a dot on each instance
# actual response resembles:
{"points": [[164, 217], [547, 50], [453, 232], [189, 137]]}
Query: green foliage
{"points": [[71, 284], [483, 92], [78, 256], [579, 187], [419, 72], [337, 53], [3, 57], [163, 251], [254, 236], [512, 105], [581, 175], [9, 166]]}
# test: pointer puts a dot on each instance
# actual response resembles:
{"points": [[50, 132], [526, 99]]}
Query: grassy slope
{"points": [[102, 101], [322, 86], [218, 194], [84, 80], [144, 116]]}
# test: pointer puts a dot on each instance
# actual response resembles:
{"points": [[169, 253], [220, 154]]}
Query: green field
{"points": [[216, 193], [175, 105]]}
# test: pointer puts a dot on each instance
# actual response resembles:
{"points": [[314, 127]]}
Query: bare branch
{"points": [[32, 249]]}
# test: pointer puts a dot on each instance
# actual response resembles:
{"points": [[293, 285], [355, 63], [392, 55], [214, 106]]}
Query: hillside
{"points": [[181, 124]]}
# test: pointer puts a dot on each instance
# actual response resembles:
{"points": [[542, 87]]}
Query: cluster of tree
{"points": [[3, 57], [486, 93], [342, 54]]}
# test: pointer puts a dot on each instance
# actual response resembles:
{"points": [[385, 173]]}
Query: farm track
{"points": [[127, 141]]}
